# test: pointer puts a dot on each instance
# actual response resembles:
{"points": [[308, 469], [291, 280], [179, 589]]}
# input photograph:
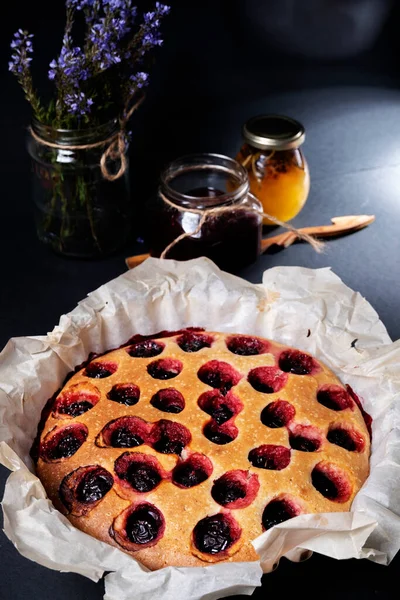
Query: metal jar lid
{"points": [[273, 132]]}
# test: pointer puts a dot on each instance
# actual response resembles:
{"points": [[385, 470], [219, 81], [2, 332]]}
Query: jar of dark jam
{"points": [[190, 190], [277, 169]]}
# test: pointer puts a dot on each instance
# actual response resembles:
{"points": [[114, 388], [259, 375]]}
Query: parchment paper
{"points": [[309, 309]]}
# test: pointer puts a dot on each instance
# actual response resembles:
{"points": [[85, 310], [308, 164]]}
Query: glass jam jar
{"points": [[278, 172], [190, 188]]}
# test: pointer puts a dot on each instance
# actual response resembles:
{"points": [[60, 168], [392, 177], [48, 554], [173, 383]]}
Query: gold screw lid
{"points": [[273, 132]]}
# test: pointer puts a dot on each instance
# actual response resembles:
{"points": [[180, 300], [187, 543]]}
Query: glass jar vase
{"points": [[204, 200], [78, 212], [277, 169]]}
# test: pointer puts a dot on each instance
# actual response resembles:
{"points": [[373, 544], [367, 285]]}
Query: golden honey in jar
{"points": [[278, 172]]}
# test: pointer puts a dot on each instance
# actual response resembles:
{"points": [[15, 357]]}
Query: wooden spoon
{"points": [[339, 225], [134, 261]]}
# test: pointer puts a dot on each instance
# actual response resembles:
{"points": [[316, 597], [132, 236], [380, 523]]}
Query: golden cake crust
{"points": [[327, 464]]}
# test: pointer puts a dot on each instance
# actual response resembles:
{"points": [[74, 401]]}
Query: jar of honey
{"points": [[278, 172], [204, 208]]}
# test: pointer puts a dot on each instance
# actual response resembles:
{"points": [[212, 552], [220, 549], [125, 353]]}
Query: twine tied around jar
{"points": [[210, 212], [115, 144]]}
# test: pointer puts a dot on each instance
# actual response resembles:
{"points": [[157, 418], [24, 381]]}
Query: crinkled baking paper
{"points": [[309, 309]]}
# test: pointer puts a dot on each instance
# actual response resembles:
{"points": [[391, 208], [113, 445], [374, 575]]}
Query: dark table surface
{"points": [[352, 118]]}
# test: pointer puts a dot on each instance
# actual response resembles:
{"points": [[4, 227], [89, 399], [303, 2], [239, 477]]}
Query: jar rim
{"points": [[206, 161], [66, 137], [273, 132]]}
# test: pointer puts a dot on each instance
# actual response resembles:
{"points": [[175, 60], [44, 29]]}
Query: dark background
{"points": [[217, 68]]}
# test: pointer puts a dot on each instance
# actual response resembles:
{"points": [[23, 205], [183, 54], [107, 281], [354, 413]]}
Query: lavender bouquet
{"points": [[78, 139]]}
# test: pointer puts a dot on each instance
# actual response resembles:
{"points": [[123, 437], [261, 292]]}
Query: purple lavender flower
{"points": [[79, 4], [110, 38], [116, 4], [19, 65], [52, 71], [152, 19], [122, 9], [149, 17], [22, 47], [162, 9], [78, 104], [151, 39], [105, 35], [71, 64], [138, 81], [104, 43], [150, 28]]}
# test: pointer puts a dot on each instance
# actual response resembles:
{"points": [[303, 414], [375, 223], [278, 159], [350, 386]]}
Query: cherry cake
{"points": [[182, 449]]}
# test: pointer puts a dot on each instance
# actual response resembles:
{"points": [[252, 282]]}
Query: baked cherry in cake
{"points": [[216, 534], [180, 449], [168, 400], [192, 471], [84, 488], [124, 393], [138, 472], [279, 510]]}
